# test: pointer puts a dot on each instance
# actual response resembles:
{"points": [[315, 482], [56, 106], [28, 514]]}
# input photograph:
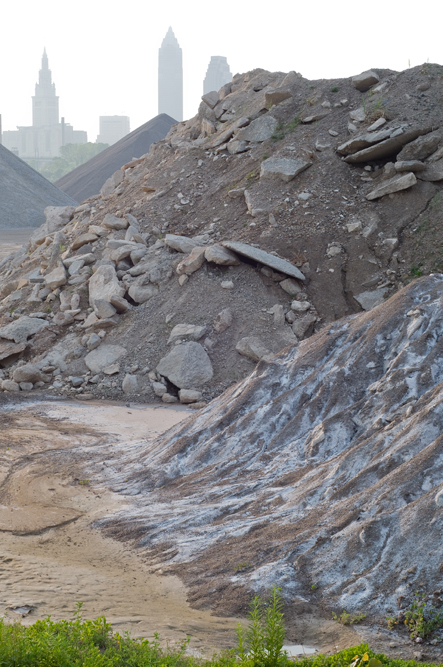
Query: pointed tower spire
{"points": [[45, 101], [45, 64], [170, 77]]}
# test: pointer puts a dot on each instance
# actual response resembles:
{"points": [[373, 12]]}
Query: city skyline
{"points": [[105, 62]]}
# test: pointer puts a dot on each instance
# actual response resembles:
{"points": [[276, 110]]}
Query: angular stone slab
{"points": [[104, 356], [211, 99], [421, 148], [409, 165], [258, 255], [8, 349], [20, 330], [259, 130], [363, 141], [316, 116], [284, 169], [187, 366], [180, 243], [276, 96], [395, 184], [220, 255], [369, 300], [433, 172], [365, 80], [387, 147]]}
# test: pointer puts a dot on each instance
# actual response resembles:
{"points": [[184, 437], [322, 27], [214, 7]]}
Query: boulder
{"points": [[82, 240], [93, 342], [420, 148], [130, 384], [169, 398], [142, 293], [104, 356], [258, 255], [223, 320], [180, 243], [56, 278], [235, 147], [192, 262], [358, 114], [121, 253], [10, 385], [27, 373], [283, 168], [365, 80], [159, 388], [300, 306], [252, 348], [395, 184], [111, 183], [57, 217], [290, 286], [20, 330], [120, 304], [189, 396], [369, 300], [211, 99], [188, 331], [26, 386], [62, 319], [259, 130], [186, 366], [362, 141], [390, 146], [432, 172], [274, 97], [409, 165], [112, 222], [11, 349], [220, 255], [304, 326], [103, 309], [104, 284]]}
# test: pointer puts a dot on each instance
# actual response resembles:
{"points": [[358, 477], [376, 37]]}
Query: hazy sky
{"points": [[104, 54]]}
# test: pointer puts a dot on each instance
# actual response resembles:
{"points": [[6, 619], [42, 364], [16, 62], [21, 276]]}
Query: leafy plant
{"points": [[348, 619], [422, 618], [415, 270], [262, 643], [365, 661], [242, 566], [282, 130], [334, 89]]}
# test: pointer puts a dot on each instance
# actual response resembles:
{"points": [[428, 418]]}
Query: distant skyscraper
{"points": [[43, 139], [170, 77], [45, 101], [113, 128], [217, 75]]}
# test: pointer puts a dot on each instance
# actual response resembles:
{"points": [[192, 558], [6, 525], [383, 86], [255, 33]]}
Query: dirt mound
{"points": [[86, 180], [24, 193], [283, 205], [321, 472]]}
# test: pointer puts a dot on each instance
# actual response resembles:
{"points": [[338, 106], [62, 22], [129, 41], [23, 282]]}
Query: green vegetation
{"points": [[348, 619], [283, 129], [422, 618], [416, 271], [72, 156], [334, 89], [261, 645]]}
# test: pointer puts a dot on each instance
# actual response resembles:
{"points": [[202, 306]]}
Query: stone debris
{"points": [[22, 329], [266, 258], [187, 366], [395, 184], [192, 262], [433, 172], [253, 348], [104, 357], [283, 168], [259, 130], [371, 299], [274, 97], [186, 332], [180, 243], [223, 320], [220, 255], [365, 80]]}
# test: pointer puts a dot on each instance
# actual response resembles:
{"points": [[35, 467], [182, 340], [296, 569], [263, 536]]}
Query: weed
{"points": [[334, 89], [314, 587], [392, 622], [83, 482], [262, 644], [242, 566], [422, 618], [265, 156], [282, 130], [365, 661], [349, 619], [415, 270], [48, 309]]}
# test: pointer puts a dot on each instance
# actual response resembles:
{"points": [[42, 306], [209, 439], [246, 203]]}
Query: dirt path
{"points": [[51, 557]]}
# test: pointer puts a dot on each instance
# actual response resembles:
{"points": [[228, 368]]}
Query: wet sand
{"points": [[51, 556]]}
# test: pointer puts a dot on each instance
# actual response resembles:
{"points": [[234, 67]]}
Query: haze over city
{"points": [[104, 56]]}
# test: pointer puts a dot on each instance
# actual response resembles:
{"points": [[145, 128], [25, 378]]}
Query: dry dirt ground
{"points": [[12, 239], [51, 554]]}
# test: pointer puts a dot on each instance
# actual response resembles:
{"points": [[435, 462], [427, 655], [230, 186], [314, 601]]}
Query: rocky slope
{"points": [[283, 205]]}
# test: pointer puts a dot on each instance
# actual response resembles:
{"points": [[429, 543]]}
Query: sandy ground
{"points": [[12, 239]]}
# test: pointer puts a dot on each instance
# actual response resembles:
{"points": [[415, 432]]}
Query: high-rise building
{"points": [[45, 101], [42, 140], [170, 77], [218, 73], [112, 129]]}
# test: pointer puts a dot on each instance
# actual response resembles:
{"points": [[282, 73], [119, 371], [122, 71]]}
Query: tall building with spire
{"points": [[43, 139], [218, 73], [45, 101], [170, 77]]}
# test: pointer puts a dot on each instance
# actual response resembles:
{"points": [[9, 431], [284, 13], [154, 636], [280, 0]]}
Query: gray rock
{"points": [[290, 286], [159, 388], [77, 381], [9, 349], [258, 255], [137, 255], [362, 141], [369, 300], [274, 97], [189, 396], [365, 80], [420, 148], [26, 386], [82, 240], [186, 366], [358, 114], [377, 124], [439, 499], [62, 319], [315, 116], [252, 348], [395, 184], [75, 267], [390, 146], [27, 373], [220, 255], [169, 398], [57, 217], [112, 222], [211, 99], [432, 172], [180, 243], [409, 165], [130, 384], [103, 357], [111, 183], [20, 330], [223, 320], [259, 130], [103, 309], [104, 284], [56, 278], [113, 369], [120, 304], [304, 326], [188, 331], [142, 293], [300, 306], [235, 147], [121, 253], [93, 341], [10, 385], [192, 262], [283, 168], [279, 315]]}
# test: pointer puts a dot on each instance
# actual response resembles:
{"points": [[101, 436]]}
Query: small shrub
{"points": [[334, 89], [422, 618], [262, 643], [348, 619]]}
